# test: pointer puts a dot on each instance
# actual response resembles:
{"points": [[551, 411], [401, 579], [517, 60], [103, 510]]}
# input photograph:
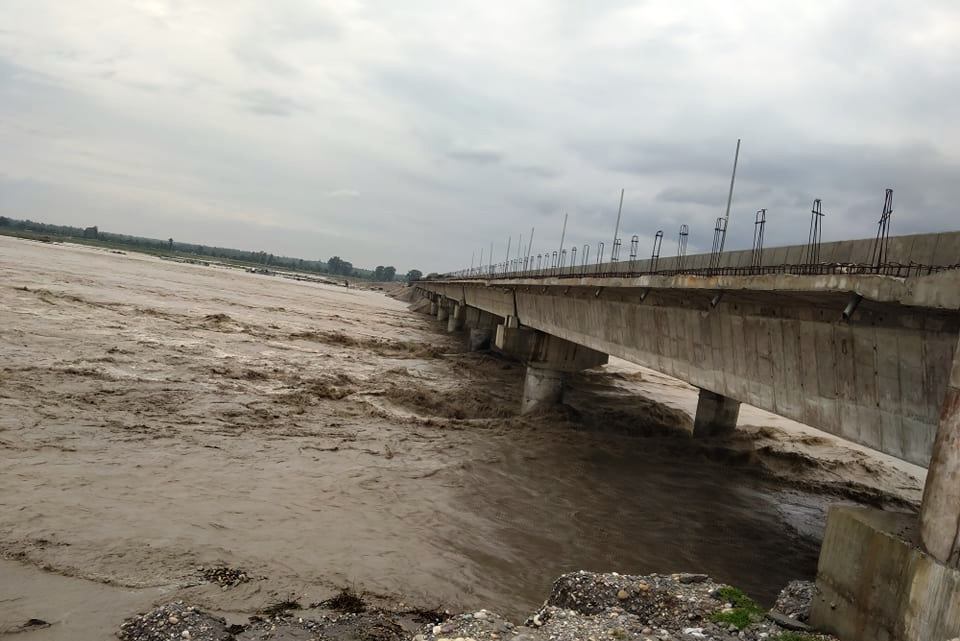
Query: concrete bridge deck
{"points": [[864, 351]]}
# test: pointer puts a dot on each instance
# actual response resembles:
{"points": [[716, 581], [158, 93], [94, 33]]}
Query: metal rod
{"points": [[812, 254], [883, 231], [655, 256], [529, 246], [507, 261], [616, 230], [563, 234], [760, 221], [682, 246], [733, 177]]}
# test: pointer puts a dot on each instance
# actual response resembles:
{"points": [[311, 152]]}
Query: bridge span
{"points": [[864, 349]]}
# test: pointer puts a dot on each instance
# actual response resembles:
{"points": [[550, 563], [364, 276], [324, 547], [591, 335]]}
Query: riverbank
{"points": [[581, 606]]}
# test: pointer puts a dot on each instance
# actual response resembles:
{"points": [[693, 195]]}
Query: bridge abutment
{"points": [[940, 510], [716, 414]]}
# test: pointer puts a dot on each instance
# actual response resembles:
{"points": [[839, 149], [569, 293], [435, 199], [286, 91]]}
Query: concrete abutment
{"points": [[875, 583], [940, 510]]}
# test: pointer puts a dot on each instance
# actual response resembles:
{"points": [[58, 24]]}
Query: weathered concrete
{"points": [[716, 415], [940, 514], [876, 585], [548, 360], [479, 339], [778, 342], [544, 350], [542, 387], [443, 310], [456, 317], [434, 308]]}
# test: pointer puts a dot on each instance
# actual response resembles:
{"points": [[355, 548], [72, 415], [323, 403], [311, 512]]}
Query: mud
{"points": [[157, 418]]}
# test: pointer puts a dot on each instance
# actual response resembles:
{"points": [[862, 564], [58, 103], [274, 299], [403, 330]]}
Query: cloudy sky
{"points": [[415, 133]]}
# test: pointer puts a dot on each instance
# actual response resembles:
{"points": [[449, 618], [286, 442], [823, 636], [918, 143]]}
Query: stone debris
{"points": [[582, 606], [175, 621], [795, 599], [585, 606], [223, 576]]}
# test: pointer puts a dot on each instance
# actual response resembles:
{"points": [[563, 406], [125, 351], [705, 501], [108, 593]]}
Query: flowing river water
{"points": [[157, 417]]}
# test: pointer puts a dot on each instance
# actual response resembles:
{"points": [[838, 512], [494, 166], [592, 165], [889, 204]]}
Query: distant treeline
{"points": [[335, 265]]}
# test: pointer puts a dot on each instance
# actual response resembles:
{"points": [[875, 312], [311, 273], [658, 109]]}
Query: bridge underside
{"points": [[877, 378]]}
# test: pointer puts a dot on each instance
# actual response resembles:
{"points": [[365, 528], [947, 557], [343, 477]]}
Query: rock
{"points": [[796, 599], [623, 595], [788, 623]]}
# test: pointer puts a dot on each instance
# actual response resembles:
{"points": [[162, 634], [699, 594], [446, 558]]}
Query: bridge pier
{"points": [[434, 307], [443, 310], [542, 387], [456, 317], [481, 326], [548, 359], [716, 414]]}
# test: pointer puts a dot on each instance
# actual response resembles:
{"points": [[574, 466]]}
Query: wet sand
{"points": [[156, 417]]}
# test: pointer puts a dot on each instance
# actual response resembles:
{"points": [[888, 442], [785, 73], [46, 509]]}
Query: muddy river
{"points": [[159, 417]]}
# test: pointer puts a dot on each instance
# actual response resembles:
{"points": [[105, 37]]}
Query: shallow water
{"points": [[155, 417]]}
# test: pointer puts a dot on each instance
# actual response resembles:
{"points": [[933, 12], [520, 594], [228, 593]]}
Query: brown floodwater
{"points": [[156, 417]]}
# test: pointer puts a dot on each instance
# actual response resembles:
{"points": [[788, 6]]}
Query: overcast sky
{"points": [[415, 133]]}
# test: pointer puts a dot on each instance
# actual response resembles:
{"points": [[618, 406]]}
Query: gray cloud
{"points": [[460, 127], [267, 103]]}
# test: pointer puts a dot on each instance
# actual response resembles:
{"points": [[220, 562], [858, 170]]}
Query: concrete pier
{"points": [[541, 388], [479, 339], [456, 317], [434, 307], [548, 359], [716, 414], [940, 512], [443, 310]]}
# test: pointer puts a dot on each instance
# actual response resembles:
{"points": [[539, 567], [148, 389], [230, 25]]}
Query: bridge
{"points": [[856, 338]]}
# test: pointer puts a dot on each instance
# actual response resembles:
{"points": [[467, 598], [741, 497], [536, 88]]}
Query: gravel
{"points": [[582, 606], [585, 606]]}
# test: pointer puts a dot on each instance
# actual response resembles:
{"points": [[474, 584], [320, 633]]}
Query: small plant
{"points": [[743, 612]]}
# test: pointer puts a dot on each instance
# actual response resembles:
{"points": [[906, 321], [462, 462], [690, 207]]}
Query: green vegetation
{"points": [[744, 609], [169, 247], [795, 636]]}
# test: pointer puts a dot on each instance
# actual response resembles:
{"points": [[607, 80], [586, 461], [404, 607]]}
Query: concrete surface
{"points": [[940, 514], [716, 415], [541, 388], [776, 342], [877, 585]]}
